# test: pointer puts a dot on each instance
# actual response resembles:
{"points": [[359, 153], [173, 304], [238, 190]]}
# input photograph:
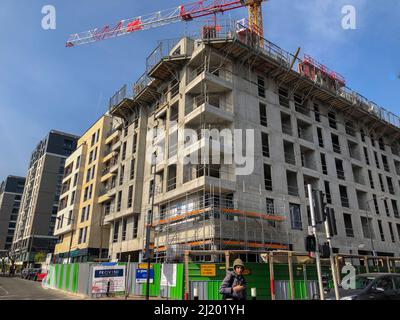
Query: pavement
{"points": [[14, 288]]}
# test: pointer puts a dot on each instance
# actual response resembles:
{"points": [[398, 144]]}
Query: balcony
{"points": [[218, 80], [113, 134], [209, 108]]}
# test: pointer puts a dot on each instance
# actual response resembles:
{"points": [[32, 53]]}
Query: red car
{"points": [[40, 276]]}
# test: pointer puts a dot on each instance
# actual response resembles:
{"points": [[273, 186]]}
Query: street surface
{"points": [[19, 289]]}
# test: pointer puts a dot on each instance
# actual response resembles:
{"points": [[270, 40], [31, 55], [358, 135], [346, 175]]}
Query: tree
{"points": [[40, 257]]}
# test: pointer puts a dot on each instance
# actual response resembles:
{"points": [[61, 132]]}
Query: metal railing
{"points": [[118, 97], [218, 101], [162, 50], [293, 191]]}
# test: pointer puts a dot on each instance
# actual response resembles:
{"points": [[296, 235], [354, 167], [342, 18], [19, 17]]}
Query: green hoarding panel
{"points": [[177, 291], [75, 272], [155, 286], [67, 284], [60, 278], [213, 290]]}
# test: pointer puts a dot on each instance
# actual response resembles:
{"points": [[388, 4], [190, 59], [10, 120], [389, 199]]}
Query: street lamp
{"points": [[70, 221], [369, 224]]}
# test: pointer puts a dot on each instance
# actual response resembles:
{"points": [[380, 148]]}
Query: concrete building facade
{"points": [[307, 128], [80, 230], [39, 205], [11, 190]]}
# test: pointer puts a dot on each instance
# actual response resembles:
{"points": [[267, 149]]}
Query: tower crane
{"points": [[186, 12]]}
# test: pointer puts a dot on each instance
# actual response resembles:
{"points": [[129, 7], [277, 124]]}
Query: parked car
{"points": [[371, 286], [30, 273], [40, 276]]}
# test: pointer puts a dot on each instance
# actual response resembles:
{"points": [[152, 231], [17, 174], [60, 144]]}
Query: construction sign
{"points": [[208, 270]]}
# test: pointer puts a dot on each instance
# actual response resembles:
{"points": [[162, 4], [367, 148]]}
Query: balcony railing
{"points": [[218, 101], [287, 128]]}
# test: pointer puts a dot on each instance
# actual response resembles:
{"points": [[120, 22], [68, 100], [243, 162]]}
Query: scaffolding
{"points": [[213, 219]]}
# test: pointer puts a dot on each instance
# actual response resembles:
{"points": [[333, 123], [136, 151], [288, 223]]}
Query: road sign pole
{"points": [[317, 256], [333, 268]]}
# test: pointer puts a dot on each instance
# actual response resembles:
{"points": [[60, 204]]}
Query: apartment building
{"points": [[11, 190], [123, 179], [39, 204], [79, 227], [309, 128]]}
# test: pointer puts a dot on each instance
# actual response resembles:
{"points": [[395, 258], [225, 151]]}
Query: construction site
{"points": [[230, 77]]}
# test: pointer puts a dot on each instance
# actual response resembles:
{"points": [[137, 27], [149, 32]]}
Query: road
{"points": [[19, 289]]}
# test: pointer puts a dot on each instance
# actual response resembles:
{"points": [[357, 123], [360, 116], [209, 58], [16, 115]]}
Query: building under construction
{"points": [[309, 128]]}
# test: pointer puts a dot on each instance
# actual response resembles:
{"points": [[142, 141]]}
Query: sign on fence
{"points": [[108, 279], [141, 274], [168, 275], [208, 270]]}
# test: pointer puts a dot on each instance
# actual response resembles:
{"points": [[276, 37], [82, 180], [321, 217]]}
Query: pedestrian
{"points": [[234, 285]]}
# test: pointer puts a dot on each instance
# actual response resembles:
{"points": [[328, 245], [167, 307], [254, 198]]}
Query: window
{"points": [[134, 143], [75, 180], [123, 155], [366, 156], [267, 177], [124, 222], [261, 86], [348, 225], [295, 217], [371, 180], [390, 185], [78, 162], [265, 144], [93, 140], [171, 182], [398, 229], [395, 209], [132, 173], [362, 135], [284, 97], [121, 175], [323, 163], [385, 163], [376, 206], [339, 169], [93, 172], [69, 220], [391, 232], [320, 138], [317, 114], [135, 228], [263, 115], [119, 201], [367, 228], [82, 235], [130, 195], [386, 207], [72, 198], [335, 143], [332, 120], [381, 230], [381, 144], [381, 183], [116, 231], [88, 174], [343, 196], [328, 192], [377, 160]]}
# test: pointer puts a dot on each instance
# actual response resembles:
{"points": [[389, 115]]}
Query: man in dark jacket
{"points": [[234, 285]]}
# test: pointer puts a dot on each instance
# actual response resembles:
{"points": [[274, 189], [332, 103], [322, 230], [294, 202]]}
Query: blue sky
{"points": [[45, 86]]}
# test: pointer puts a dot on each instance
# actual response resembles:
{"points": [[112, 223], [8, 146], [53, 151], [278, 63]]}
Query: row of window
{"points": [[301, 105], [121, 226]]}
